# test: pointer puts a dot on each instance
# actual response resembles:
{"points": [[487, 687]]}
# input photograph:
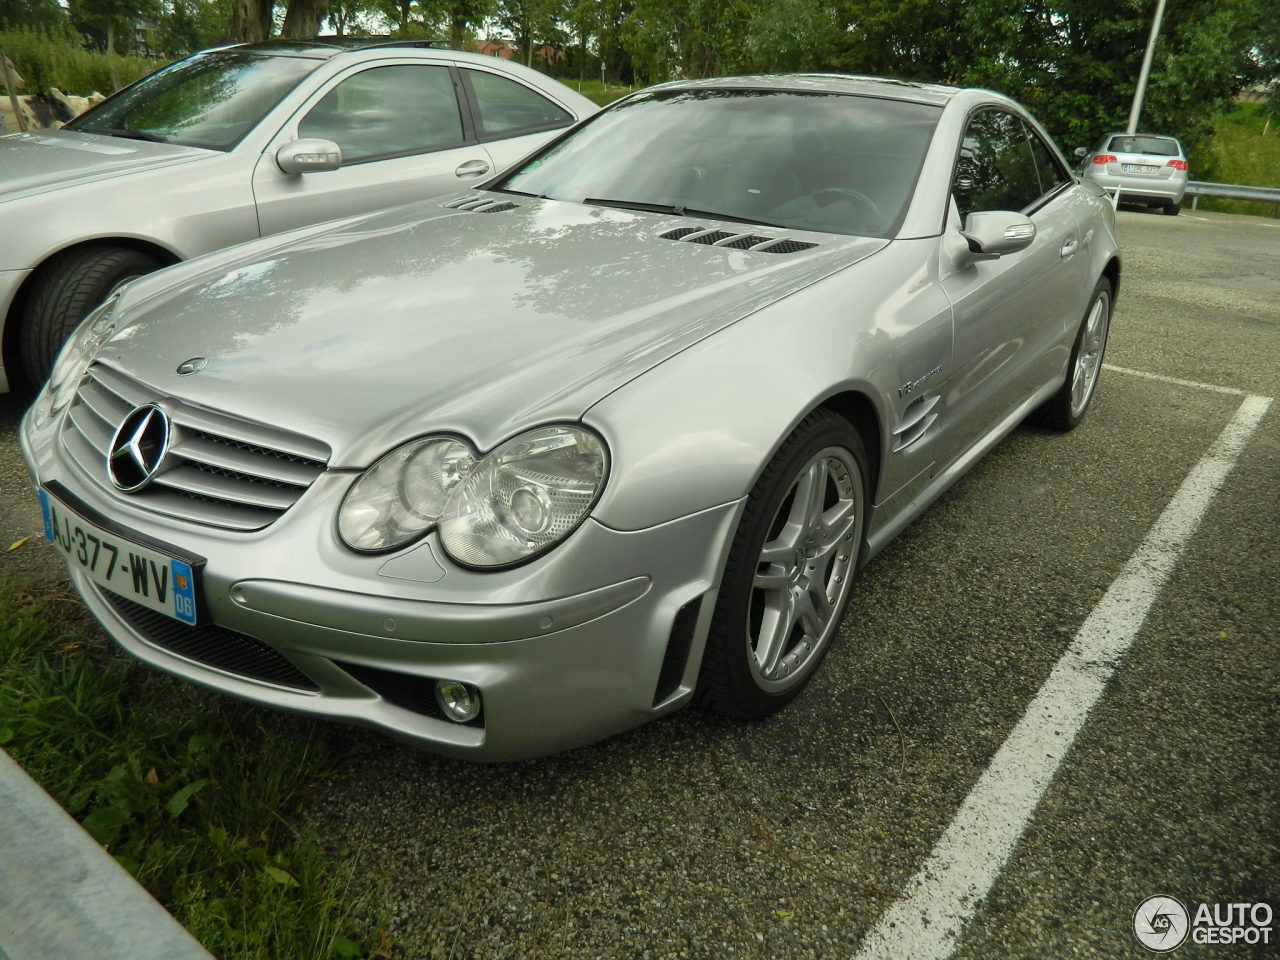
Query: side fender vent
{"points": [[916, 421], [738, 241]]}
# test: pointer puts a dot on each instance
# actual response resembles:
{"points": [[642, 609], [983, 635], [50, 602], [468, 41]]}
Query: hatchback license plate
{"points": [[1143, 168], [148, 577]]}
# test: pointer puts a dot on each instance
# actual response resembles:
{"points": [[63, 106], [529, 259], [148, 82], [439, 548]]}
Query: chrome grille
{"points": [[220, 470]]}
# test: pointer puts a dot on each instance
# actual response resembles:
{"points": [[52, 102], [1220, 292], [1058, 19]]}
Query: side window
{"points": [[996, 170], [505, 108], [388, 111], [1051, 173]]}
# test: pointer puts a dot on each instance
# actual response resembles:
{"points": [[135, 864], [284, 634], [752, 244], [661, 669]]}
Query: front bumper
{"points": [[601, 634]]}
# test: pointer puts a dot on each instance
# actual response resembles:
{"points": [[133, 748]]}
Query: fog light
{"points": [[459, 701]]}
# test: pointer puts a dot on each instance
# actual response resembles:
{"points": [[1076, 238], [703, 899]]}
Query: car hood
{"points": [[56, 159], [433, 319]]}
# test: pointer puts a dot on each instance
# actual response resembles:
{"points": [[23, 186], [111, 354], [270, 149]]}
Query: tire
{"points": [[772, 627], [65, 289], [1172, 209], [1069, 405]]}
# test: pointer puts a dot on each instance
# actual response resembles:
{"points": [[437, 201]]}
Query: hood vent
{"points": [[739, 241], [480, 204]]}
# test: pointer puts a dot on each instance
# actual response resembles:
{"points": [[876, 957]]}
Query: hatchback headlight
{"points": [[492, 511], [74, 359]]}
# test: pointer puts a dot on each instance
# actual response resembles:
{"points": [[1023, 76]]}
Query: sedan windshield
{"points": [[833, 163], [211, 100]]}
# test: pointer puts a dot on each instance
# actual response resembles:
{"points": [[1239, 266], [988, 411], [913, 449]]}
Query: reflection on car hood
{"points": [[424, 318], [55, 159]]}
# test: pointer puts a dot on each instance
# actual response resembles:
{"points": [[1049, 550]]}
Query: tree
{"points": [[250, 20], [302, 18]]}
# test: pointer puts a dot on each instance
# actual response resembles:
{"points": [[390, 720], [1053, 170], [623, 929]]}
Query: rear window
{"points": [[1152, 146]]}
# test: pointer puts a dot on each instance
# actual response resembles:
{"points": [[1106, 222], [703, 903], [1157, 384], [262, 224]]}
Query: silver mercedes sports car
{"points": [[513, 469]]}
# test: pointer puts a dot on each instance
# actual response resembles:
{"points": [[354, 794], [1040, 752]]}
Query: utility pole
{"points": [[1140, 93]]}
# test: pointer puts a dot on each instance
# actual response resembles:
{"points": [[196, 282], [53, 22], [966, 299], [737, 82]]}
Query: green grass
{"points": [[196, 795], [596, 91], [1244, 149]]}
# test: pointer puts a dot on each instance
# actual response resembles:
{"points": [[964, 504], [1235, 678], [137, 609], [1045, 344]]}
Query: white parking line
{"points": [[1174, 380], [944, 895]]}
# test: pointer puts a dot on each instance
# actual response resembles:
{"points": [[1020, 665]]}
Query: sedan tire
{"points": [[1172, 209], [1068, 406], [66, 288], [787, 581]]}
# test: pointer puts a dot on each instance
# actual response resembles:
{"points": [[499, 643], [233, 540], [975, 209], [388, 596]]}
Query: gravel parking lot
{"points": [[699, 837]]}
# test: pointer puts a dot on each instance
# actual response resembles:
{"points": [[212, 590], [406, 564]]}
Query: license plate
{"points": [[145, 576], [1143, 168]]}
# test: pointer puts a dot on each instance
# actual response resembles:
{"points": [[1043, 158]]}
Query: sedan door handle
{"points": [[471, 169], [1069, 248]]}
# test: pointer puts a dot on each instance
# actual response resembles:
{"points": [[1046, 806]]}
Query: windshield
{"points": [[1153, 146], [211, 100], [807, 161]]}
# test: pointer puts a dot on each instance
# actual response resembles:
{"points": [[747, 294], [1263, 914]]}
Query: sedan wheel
{"points": [[1069, 405], [790, 570]]}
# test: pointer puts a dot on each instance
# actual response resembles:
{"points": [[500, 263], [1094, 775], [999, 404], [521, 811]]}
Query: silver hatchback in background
{"points": [[1143, 167]]}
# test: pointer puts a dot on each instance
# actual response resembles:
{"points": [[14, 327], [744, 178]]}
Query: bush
{"points": [[1245, 149], [45, 61]]}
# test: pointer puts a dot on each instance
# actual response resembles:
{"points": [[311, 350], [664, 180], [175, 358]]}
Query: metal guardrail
{"points": [[1232, 191]]}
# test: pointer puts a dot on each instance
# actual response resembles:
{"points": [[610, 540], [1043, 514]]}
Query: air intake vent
{"points": [[738, 241], [220, 470], [210, 645], [786, 246], [747, 242], [681, 233], [480, 204], [679, 643]]}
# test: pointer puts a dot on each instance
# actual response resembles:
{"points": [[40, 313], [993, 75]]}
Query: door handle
{"points": [[471, 169], [1069, 248]]}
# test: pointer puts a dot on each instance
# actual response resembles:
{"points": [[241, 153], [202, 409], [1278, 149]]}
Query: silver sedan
{"points": [[240, 142], [516, 468]]}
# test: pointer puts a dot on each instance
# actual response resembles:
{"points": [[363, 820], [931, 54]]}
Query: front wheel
{"points": [[64, 291], [787, 580], [1068, 406]]}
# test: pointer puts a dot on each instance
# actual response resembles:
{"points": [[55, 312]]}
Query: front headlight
{"points": [[512, 504], [74, 359]]}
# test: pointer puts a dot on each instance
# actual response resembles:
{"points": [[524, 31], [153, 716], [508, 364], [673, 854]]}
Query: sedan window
{"points": [[834, 163], [996, 169], [1051, 172], [210, 100], [504, 107], [388, 111]]}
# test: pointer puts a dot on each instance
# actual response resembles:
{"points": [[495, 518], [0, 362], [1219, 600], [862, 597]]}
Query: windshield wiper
{"points": [[678, 209], [132, 134]]}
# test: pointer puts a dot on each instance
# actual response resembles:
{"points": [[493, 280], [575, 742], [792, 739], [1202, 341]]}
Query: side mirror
{"points": [[994, 233], [1081, 152], [309, 156]]}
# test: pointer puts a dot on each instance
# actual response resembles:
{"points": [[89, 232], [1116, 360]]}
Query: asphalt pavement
{"points": [[790, 838]]}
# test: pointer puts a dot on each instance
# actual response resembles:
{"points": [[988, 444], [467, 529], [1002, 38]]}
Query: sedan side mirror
{"points": [[992, 234], [1081, 152], [309, 156]]}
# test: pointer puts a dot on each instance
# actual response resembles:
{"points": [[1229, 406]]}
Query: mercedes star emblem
{"points": [[138, 448]]}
